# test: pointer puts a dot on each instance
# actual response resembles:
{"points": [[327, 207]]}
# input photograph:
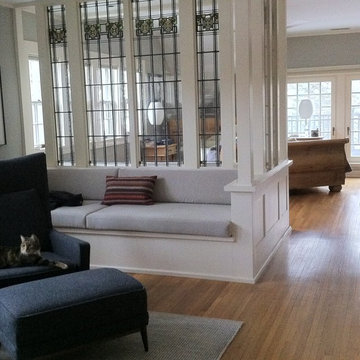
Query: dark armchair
{"points": [[24, 209]]}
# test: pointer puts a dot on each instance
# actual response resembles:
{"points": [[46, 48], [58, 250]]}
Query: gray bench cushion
{"points": [[74, 216], [90, 182], [173, 218], [188, 201], [199, 186]]}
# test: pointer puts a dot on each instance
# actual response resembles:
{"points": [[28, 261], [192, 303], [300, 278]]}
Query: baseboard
{"points": [[178, 274]]}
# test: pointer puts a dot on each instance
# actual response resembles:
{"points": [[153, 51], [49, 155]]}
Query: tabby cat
{"points": [[27, 254]]}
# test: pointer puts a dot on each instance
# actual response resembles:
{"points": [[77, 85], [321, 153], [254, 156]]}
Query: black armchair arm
{"points": [[76, 250]]}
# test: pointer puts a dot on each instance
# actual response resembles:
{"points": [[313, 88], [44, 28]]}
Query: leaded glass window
{"points": [[207, 31], [158, 82], [105, 82], [61, 84]]}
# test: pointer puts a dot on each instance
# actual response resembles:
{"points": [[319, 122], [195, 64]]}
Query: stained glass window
{"points": [[61, 84], [158, 81], [105, 82], [207, 30]]}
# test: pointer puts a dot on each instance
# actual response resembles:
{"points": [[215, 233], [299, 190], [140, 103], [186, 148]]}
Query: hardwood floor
{"points": [[306, 305]]}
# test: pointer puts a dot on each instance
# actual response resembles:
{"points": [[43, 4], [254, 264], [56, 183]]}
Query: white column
{"points": [[257, 81], [188, 68], [25, 93], [259, 199], [243, 84], [282, 83], [227, 83], [131, 78]]}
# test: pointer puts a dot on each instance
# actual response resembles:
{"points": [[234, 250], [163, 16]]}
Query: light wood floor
{"points": [[307, 304]]}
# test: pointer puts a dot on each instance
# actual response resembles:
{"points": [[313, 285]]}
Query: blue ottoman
{"points": [[46, 316]]}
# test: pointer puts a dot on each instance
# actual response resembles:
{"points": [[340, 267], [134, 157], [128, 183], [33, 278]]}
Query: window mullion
{"points": [[227, 84]]}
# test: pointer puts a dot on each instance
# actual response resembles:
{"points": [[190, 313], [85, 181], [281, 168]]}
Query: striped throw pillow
{"points": [[136, 190]]}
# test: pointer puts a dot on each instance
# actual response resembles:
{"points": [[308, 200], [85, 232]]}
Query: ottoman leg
{"points": [[144, 338]]}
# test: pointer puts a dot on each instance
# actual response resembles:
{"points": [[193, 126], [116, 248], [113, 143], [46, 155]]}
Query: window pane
{"points": [[61, 84], [158, 81], [303, 88], [319, 93], [207, 20], [105, 82], [314, 88], [355, 119], [36, 103]]}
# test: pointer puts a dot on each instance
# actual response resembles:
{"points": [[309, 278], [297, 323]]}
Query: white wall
{"points": [[8, 66], [323, 50]]}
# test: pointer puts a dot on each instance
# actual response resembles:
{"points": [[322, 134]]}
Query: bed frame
{"points": [[318, 163]]}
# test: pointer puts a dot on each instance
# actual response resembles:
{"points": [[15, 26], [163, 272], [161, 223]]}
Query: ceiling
{"points": [[305, 17], [309, 17]]}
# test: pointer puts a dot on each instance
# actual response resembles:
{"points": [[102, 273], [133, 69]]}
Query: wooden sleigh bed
{"points": [[318, 163]]}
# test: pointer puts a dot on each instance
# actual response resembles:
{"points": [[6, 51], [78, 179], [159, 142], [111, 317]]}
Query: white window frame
{"points": [[26, 50], [347, 123], [320, 78], [37, 115]]}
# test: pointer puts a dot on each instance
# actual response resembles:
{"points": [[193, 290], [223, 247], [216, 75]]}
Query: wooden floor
{"points": [[306, 305]]}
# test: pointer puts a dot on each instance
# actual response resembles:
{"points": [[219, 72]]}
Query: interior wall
{"points": [[10, 86], [29, 26], [323, 50]]}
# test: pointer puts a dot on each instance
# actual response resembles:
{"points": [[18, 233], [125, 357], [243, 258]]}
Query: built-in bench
{"points": [[191, 217], [187, 202], [204, 223]]}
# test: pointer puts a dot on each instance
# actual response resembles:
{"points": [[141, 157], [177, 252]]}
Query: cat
{"points": [[27, 254]]}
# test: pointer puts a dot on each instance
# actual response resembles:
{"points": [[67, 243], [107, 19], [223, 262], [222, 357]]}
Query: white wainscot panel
{"points": [[271, 206]]}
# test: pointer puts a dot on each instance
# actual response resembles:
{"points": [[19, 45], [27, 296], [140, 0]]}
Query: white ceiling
{"points": [[305, 17]]}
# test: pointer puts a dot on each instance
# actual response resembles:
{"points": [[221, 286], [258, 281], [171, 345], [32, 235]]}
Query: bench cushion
{"points": [[90, 182], [173, 218], [74, 216], [199, 186], [41, 316]]}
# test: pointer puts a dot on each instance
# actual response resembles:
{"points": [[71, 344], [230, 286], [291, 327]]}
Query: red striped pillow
{"points": [[136, 190]]}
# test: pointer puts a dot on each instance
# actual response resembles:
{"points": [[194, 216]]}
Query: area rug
{"points": [[171, 337]]}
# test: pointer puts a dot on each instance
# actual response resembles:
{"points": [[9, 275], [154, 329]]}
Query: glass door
{"points": [[353, 120], [319, 91]]}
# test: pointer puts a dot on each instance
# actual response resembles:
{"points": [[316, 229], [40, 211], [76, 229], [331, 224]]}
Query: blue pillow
{"points": [[22, 213]]}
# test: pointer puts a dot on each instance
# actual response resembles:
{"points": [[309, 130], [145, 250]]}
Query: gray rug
{"points": [[171, 337]]}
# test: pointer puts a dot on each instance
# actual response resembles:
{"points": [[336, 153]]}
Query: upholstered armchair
{"points": [[24, 210]]}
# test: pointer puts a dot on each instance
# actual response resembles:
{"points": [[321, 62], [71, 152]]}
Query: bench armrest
{"points": [[76, 250]]}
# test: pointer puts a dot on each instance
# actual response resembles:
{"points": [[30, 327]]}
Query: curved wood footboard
{"points": [[318, 163]]}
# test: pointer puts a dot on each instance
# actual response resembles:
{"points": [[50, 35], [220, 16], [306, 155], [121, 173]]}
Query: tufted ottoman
{"points": [[45, 316]]}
